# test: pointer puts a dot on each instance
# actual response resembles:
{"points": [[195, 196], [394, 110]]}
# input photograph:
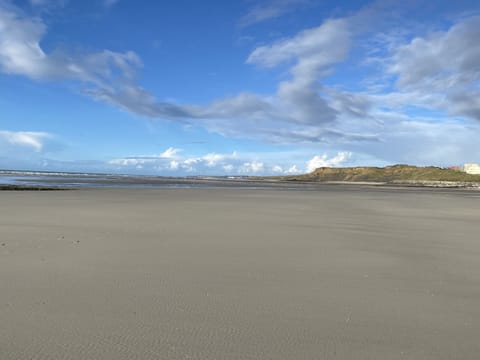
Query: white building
{"points": [[472, 169]]}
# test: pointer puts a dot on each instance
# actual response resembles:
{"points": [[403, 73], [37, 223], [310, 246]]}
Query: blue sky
{"points": [[237, 87]]}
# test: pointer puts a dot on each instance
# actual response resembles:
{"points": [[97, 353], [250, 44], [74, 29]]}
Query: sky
{"points": [[241, 87]]}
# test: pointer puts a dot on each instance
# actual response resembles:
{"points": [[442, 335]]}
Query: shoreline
{"points": [[132, 183], [357, 176]]}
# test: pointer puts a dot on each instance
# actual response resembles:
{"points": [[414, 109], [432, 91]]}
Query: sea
{"points": [[96, 180]]}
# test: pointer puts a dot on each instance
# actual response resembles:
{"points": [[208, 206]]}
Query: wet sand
{"points": [[336, 273]]}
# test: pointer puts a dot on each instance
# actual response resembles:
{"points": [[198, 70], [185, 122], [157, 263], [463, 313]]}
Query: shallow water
{"points": [[86, 180]]}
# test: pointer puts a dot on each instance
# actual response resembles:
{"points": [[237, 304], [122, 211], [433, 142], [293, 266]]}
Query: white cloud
{"points": [[24, 139], [450, 56], [253, 167], [169, 153], [313, 48], [111, 77], [292, 170], [437, 72], [313, 51], [28, 149], [277, 170], [174, 164], [108, 75], [20, 52], [441, 70], [421, 141], [162, 158], [298, 107], [323, 160], [233, 163], [211, 160], [170, 159]]}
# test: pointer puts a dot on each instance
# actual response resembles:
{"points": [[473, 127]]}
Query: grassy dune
{"points": [[395, 173]]}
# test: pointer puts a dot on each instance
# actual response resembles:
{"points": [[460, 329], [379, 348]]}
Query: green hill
{"points": [[395, 173]]}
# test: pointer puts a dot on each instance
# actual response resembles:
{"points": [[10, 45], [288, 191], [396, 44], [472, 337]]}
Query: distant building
{"points": [[472, 169]]}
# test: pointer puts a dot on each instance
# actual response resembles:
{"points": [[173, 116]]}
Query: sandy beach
{"points": [[335, 273]]}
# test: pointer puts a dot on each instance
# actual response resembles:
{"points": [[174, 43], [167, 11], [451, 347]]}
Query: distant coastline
{"points": [[390, 176], [406, 175]]}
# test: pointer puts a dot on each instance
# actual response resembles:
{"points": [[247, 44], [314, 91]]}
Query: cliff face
{"points": [[387, 174]]}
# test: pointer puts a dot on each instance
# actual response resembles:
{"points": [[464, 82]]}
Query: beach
{"points": [[338, 272]]}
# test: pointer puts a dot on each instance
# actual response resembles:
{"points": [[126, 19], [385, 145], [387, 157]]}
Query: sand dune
{"points": [[337, 273]]}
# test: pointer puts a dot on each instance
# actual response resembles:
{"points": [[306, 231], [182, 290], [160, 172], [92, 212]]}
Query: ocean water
{"points": [[87, 180]]}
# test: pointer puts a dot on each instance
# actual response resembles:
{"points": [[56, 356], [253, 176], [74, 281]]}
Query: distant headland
{"points": [[467, 175]]}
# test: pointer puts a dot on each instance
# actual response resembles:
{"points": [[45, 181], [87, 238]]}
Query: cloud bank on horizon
{"points": [[359, 86]]}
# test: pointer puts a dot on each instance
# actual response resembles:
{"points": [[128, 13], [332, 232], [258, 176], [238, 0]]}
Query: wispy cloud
{"points": [[406, 139], [445, 65], [269, 10], [107, 75], [313, 51], [24, 139], [110, 77], [166, 156], [297, 103], [433, 71]]}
